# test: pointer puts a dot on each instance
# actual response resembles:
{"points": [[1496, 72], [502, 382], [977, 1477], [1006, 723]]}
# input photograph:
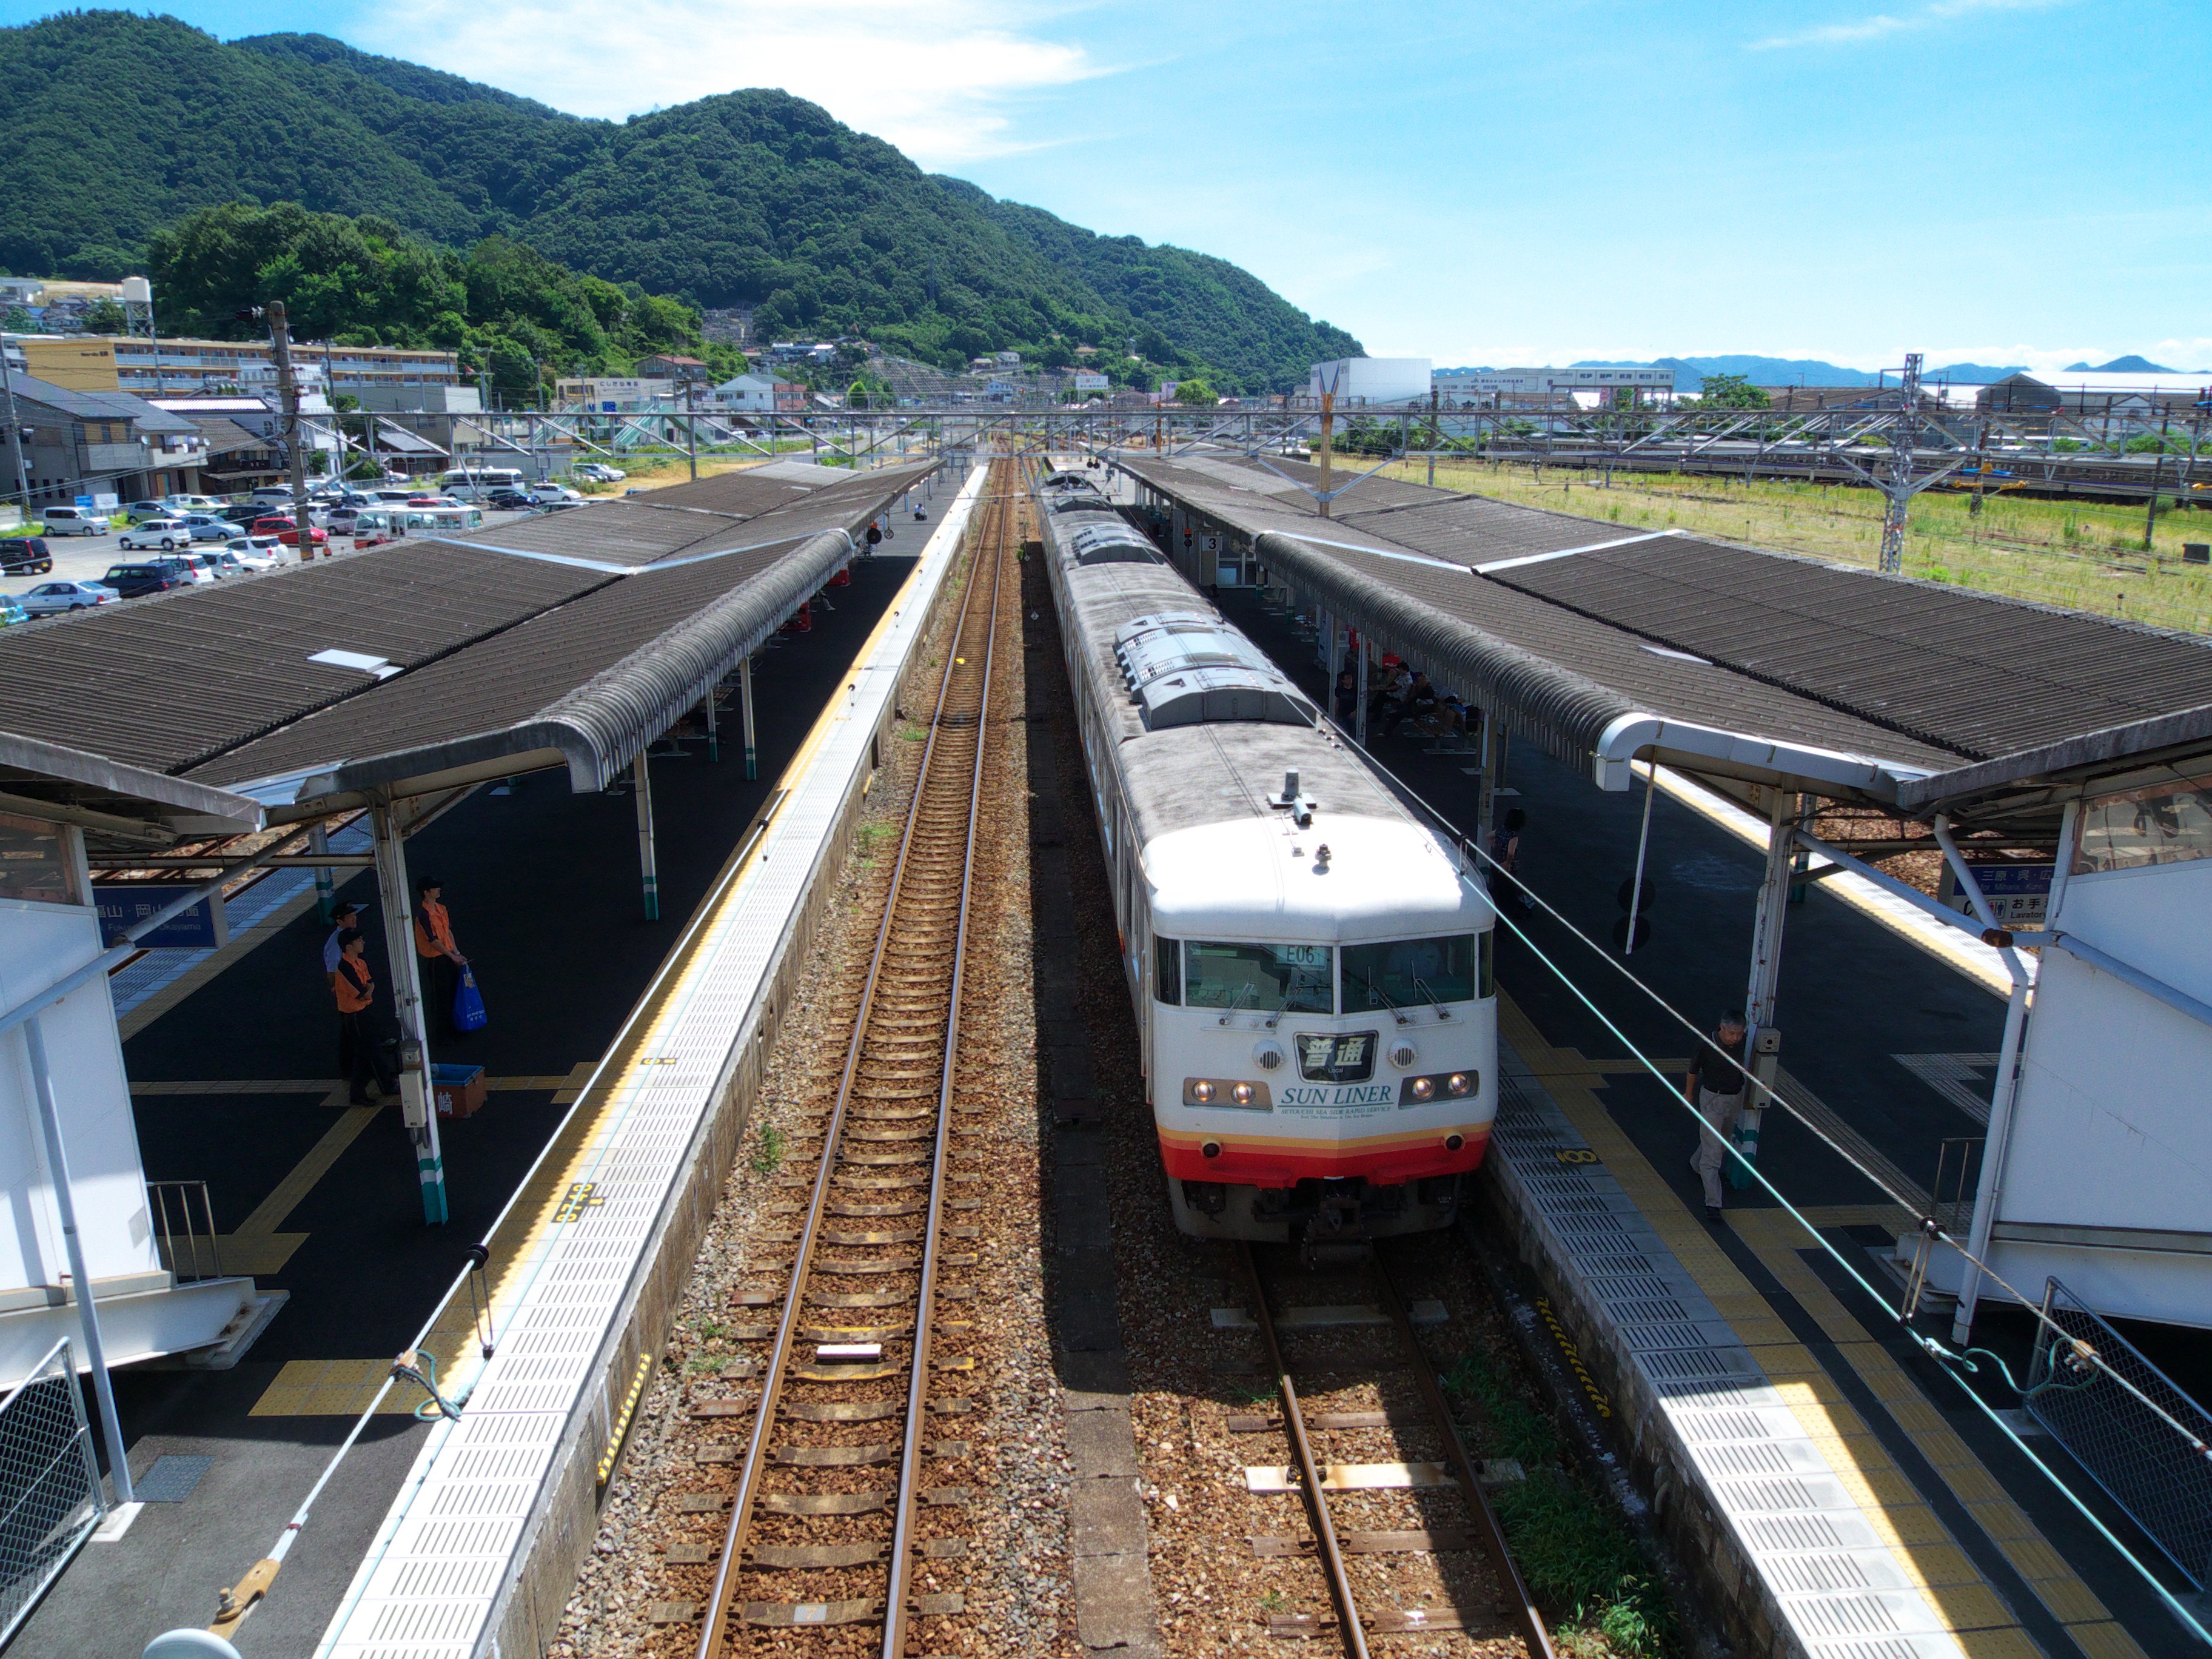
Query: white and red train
{"points": [[1309, 965]]}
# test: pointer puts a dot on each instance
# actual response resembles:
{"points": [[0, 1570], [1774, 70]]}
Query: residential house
{"points": [[103, 443], [759, 393]]}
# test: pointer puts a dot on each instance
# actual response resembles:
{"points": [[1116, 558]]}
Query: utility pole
{"points": [[1433, 434], [2157, 466], [1327, 420], [287, 392], [15, 431], [1899, 490], [1981, 468]]}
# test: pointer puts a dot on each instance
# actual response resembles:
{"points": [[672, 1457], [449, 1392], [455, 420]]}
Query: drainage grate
{"points": [[171, 1479]]}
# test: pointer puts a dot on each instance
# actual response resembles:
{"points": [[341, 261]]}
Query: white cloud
{"points": [[1876, 25], [941, 81]]}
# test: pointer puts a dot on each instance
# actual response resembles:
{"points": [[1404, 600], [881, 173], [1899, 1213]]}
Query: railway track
{"points": [[1445, 1494], [838, 1522]]}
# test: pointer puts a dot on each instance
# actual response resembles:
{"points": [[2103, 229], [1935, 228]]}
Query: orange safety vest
{"points": [[437, 940], [352, 986]]}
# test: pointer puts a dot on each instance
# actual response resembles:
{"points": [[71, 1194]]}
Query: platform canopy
{"points": [[571, 639], [1603, 642]]}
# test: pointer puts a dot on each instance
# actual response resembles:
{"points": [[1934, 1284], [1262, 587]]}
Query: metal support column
{"points": [[326, 885], [95, 1357], [641, 777], [1762, 1041], [714, 734], [1366, 668], [745, 709], [417, 1108], [1990, 1187]]}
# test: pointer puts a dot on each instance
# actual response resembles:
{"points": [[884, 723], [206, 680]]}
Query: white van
{"points": [[74, 521], [478, 483]]}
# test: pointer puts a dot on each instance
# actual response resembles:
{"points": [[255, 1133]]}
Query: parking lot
{"points": [[86, 558]]}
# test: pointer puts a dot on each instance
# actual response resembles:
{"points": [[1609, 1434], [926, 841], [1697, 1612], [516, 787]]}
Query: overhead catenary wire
{"points": [[1945, 1355]]}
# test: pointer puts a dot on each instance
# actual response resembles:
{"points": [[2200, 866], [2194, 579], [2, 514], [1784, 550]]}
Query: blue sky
{"points": [[2000, 180]]}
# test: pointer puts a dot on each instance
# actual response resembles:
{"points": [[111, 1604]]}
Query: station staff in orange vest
{"points": [[442, 961], [360, 1055]]}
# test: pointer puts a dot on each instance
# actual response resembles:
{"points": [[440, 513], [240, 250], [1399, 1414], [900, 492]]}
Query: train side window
{"points": [[1167, 970]]}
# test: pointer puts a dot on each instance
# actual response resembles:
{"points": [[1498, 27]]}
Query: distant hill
{"points": [[1690, 372], [116, 125], [2131, 364]]}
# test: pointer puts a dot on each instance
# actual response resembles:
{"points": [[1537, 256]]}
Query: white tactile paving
{"points": [[428, 1585], [1844, 1593]]}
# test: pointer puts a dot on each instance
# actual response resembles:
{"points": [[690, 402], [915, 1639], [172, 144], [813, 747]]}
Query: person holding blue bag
{"points": [[449, 986]]}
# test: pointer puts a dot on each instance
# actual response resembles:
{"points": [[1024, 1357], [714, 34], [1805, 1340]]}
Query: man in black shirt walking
{"points": [[1716, 1087]]}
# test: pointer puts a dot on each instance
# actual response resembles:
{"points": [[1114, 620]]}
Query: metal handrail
{"points": [[158, 1193]]}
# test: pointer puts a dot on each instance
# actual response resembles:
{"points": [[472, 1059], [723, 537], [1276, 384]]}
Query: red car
{"points": [[287, 532]]}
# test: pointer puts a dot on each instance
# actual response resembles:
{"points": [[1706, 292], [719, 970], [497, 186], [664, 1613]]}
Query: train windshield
{"points": [[1411, 972], [1297, 979]]}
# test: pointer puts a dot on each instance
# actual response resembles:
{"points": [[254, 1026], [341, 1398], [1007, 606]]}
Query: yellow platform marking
{"points": [[1915, 1535], [258, 1249], [1778, 1241], [334, 1387], [567, 1161]]}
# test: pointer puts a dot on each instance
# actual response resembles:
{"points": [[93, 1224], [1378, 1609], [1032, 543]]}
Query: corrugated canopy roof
{"points": [[580, 634], [1601, 642]]}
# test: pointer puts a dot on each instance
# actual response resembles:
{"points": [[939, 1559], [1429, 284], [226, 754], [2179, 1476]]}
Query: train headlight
{"points": [[1202, 1092], [1241, 1094], [1453, 1143], [1459, 1083], [1210, 1149], [1421, 1088]]}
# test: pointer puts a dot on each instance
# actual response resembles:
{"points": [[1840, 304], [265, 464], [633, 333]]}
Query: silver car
{"points": [[53, 598], [167, 534], [207, 526]]}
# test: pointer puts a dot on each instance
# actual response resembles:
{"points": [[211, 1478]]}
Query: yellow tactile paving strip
{"points": [[1979, 1618], [517, 1243]]}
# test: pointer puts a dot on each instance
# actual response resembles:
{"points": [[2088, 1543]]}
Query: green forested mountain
{"points": [[117, 125], [511, 312]]}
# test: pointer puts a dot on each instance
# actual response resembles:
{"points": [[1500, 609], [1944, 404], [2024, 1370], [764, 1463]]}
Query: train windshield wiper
{"points": [[1275, 1018], [1236, 1002], [1435, 1002], [1376, 994]]}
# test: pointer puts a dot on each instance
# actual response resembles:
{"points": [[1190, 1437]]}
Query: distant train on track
{"points": [[1310, 966]]}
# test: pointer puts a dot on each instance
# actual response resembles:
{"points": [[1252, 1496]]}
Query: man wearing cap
{"points": [[346, 916], [442, 961], [360, 1055], [1715, 1086]]}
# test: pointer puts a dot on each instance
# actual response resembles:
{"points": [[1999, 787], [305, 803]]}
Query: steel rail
{"points": [[1512, 1591], [1309, 1474], [903, 1543], [724, 1611]]}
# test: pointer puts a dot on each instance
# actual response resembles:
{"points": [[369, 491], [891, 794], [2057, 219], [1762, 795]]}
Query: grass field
{"points": [[2084, 556]]}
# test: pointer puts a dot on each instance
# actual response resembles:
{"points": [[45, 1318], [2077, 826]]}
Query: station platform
{"points": [[231, 1057], [1855, 1498]]}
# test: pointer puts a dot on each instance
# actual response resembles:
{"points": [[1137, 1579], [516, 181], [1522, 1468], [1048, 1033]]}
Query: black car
{"points": [[132, 579], [25, 555], [245, 513], [510, 500]]}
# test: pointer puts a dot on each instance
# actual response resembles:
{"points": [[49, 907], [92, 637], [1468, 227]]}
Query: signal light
{"points": [[1453, 1143], [1210, 1149]]}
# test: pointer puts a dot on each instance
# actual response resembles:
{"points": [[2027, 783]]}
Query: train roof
{"points": [[1340, 880]]}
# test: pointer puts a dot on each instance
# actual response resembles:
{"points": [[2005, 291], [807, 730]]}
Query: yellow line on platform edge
{"points": [[318, 1389], [1975, 1612]]}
